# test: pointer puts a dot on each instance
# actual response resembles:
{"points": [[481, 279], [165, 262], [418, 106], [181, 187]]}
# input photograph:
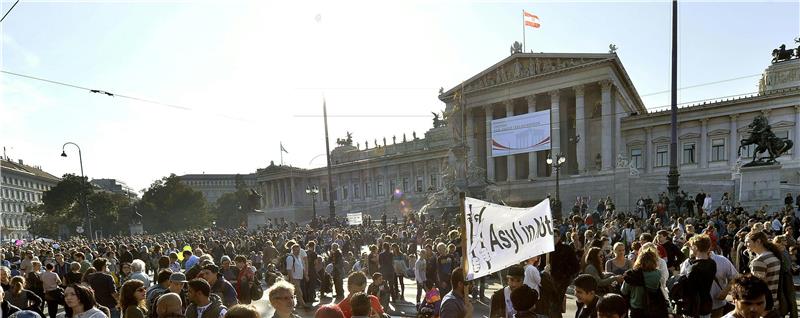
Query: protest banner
{"points": [[355, 219], [499, 236]]}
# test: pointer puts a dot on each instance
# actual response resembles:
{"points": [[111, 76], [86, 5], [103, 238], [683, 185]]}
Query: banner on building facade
{"points": [[521, 134], [355, 219], [500, 236]]}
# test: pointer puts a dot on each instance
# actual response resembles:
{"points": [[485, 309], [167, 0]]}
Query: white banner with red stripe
{"points": [[521, 134]]}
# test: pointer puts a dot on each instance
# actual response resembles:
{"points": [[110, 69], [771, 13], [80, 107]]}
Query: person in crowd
{"points": [[132, 299], [400, 269], [380, 289], [161, 287], [533, 278], [329, 311], [523, 301], [701, 271], [242, 311], [5, 278], [419, 275], [169, 305], [360, 305], [52, 293], [244, 279], [81, 302], [725, 273], [281, 297], [766, 265], [593, 267], [229, 272], [138, 272], [6, 308], [586, 294], [337, 260], [203, 305], [103, 285], [189, 259], [642, 286], [455, 304], [312, 284], [568, 266], [219, 286], [74, 275], [22, 298], [619, 264], [751, 297], [612, 306], [357, 283], [501, 299]]}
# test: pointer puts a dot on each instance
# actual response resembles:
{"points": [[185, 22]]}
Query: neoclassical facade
{"points": [[613, 145], [22, 187]]}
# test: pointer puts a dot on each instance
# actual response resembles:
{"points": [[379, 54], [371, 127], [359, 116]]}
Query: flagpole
{"points": [[523, 31]]}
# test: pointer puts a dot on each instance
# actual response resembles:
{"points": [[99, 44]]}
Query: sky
{"points": [[233, 79]]}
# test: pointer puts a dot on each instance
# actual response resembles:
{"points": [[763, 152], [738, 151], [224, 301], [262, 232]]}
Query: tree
{"points": [[228, 209], [169, 205]]}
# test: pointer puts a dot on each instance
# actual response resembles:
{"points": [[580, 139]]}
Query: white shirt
{"points": [[419, 271], [726, 272], [200, 311], [295, 263], [509, 307], [532, 277]]}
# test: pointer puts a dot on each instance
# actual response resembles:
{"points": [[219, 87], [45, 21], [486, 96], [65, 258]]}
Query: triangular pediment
{"points": [[526, 65]]}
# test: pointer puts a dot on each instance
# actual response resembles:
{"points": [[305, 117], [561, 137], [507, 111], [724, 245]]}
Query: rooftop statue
{"points": [[765, 140], [347, 141], [782, 54]]}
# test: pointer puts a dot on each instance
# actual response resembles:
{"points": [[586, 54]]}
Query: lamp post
{"points": [[83, 193], [313, 191], [557, 163]]}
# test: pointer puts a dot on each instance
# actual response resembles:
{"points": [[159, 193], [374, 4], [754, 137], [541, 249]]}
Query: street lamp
{"points": [[83, 193], [313, 191], [557, 164]]}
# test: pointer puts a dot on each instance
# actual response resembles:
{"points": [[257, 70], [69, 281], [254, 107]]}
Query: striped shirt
{"points": [[768, 267]]}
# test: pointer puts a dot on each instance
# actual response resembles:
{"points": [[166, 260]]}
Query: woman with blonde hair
{"points": [[642, 283], [131, 299], [619, 264]]}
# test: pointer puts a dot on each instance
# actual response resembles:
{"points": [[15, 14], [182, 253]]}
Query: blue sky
{"points": [[253, 73]]}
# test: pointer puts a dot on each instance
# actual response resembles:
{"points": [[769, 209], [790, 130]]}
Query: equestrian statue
{"points": [[765, 140]]}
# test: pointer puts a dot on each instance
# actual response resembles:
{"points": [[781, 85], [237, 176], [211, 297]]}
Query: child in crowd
{"points": [[379, 288], [433, 300]]}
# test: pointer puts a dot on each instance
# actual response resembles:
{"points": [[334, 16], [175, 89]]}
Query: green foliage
{"points": [[227, 211], [169, 205]]}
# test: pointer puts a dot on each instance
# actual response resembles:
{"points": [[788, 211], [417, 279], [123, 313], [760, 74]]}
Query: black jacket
{"points": [[8, 308], [498, 304], [564, 264]]}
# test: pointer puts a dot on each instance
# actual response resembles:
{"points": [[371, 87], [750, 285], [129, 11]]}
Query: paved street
{"points": [[406, 308]]}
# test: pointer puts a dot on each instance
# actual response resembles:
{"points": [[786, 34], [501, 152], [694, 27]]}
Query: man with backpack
{"points": [[700, 271], [294, 271]]}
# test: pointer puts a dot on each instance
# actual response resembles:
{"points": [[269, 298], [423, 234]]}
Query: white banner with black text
{"points": [[499, 236], [355, 219]]}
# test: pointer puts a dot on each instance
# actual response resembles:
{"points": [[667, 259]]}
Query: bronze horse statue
{"points": [[765, 140]]}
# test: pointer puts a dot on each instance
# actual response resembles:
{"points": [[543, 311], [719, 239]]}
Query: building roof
{"points": [[20, 167], [208, 176]]}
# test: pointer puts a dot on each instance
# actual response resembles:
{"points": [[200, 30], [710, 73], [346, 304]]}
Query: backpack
{"points": [[680, 295], [654, 302]]}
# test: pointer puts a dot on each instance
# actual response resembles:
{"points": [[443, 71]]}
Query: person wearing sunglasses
{"points": [[132, 299]]}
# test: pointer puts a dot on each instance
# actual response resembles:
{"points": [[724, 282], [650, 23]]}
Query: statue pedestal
{"points": [[761, 185], [136, 229], [256, 219]]}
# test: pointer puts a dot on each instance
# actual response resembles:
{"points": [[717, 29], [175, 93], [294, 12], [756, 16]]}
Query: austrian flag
{"points": [[530, 19]]}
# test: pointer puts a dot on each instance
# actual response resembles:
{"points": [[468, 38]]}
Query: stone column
{"points": [[796, 152], [619, 111], [532, 164], [580, 129], [511, 164], [734, 142], [607, 153], [646, 150], [555, 123], [470, 136], [291, 191], [489, 158], [703, 147]]}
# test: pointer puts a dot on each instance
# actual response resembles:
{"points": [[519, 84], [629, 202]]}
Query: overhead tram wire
{"points": [[9, 11], [110, 94]]}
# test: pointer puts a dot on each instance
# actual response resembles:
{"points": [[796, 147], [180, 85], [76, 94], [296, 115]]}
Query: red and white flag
{"points": [[530, 19]]}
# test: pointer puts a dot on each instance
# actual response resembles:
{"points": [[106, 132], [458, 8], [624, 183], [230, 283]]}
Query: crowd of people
{"points": [[642, 263], [653, 263]]}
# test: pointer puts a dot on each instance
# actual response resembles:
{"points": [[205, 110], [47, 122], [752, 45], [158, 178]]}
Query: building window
{"points": [[636, 157], [434, 182], [379, 187], [344, 192], [717, 149], [392, 186], [419, 184], [355, 191], [324, 191], [662, 156], [405, 184], [688, 152], [366, 190]]}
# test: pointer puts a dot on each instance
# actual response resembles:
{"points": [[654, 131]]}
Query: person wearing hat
{"points": [[502, 306], [219, 285], [177, 282]]}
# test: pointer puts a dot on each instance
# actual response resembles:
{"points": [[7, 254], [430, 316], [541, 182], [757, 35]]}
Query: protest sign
{"points": [[354, 219], [499, 236]]}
